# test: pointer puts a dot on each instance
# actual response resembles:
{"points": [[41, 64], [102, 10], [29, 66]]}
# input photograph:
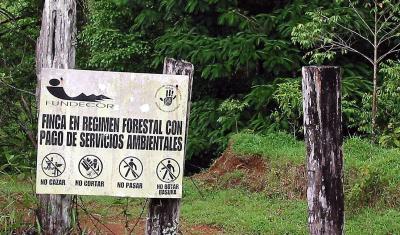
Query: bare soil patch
{"points": [[256, 174], [230, 170], [119, 227]]}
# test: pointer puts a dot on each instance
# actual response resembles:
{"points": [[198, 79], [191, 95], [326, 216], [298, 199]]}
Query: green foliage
{"points": [[364, 28], [232, 46], [355, 84], [17, 163], [209, 130], [203, 118], [240, 52], [259, 100], [230, 112], [290, 107], [107, 41], [18, 31], [388, 101], [344, 24], [318, 32], [236, 54], [388, 117], [279, 105]]}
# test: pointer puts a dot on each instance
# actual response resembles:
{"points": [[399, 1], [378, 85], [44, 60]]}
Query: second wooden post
{"points": [[163, 214], [323, 137]]}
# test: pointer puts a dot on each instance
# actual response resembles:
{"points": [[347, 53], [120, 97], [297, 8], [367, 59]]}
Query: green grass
{"points": [[369, 221], [240, 212], [279, 148], [12, 184], [372, 173], [372, 185], [283, 148], [359, 154]]}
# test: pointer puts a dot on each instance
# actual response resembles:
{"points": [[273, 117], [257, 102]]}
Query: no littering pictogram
{"points": [[168, 170]]}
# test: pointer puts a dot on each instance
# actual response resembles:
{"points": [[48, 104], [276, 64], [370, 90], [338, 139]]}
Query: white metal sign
{"points": [[109, 133]]}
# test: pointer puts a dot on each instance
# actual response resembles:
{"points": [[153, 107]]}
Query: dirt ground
{"points": [[256, 174], [228, 171], [118, 227], [251, 171], [253, 167]]}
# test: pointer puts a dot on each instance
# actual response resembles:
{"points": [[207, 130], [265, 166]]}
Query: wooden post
{"points": [[323, 137], [55, 49], [163, 214]]}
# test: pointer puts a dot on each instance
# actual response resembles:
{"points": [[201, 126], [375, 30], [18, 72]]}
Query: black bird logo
{"points": [[58, 91]]}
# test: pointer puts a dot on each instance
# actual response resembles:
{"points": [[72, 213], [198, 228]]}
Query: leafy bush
{"points": [[212, 124], [19, 29], [105, 42], [290, 107], [203, 120], [230, 113], [388, 116]]}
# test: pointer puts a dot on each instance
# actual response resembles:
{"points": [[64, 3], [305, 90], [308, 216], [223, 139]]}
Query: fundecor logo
{"points": [[58, 91], [82, 100]]}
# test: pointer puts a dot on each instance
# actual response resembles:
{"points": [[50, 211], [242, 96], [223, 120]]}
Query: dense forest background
{"points": [[247, 57]]}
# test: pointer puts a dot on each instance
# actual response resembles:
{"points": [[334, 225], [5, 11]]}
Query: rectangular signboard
{"points": [[111, 133]]}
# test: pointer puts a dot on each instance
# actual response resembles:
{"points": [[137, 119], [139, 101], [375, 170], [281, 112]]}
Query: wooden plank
{"points": [[163, 214], [323, 137], [55, 49]]}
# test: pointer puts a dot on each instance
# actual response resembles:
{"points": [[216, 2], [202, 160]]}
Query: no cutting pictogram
{"points": [[90, 166], [130, 168], [168, 170]]}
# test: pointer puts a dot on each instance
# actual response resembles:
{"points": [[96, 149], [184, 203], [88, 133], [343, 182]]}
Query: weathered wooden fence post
{"points": [[163, 214], [55, 49], [323, 137]]}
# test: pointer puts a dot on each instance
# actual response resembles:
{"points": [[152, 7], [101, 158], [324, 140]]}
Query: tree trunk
{"points": [[323, 137], [56, 49], [374, 101], [163, 214], [375, 76]]}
